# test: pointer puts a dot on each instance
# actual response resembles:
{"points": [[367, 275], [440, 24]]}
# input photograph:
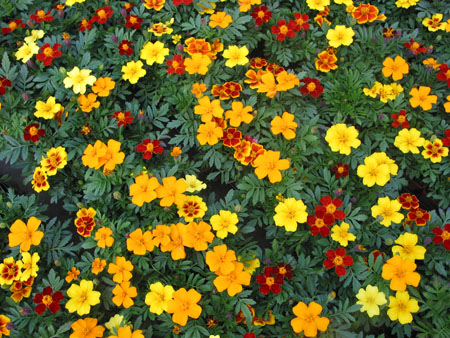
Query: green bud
{"points": [[9, 204], [388, 241], [117, 195], [80, 205], [238, 208], [57, 262]]}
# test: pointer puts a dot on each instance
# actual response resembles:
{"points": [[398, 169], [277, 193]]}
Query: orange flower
{"points": [[171, 191], [198, 89], [25, 234], [121, 270], [98, 265], [396, 67], [176, 244], [221, 260], [221, 19], [143, 190], [184, 305], [209, 132], [284, 125], [326, 61], [269, 164], [176, 151], [198, 235], [123, 294], [401, 273], [365, 13], [239, 114], [86, 328], [421, 97], [268, 85], [89, 102], [103, 237], [72, 275], [161, 235], [208, 109], [198, 64], [286, 81], [125, 332], [233, 281], [308, 319], [103, 86], [139, 242]]}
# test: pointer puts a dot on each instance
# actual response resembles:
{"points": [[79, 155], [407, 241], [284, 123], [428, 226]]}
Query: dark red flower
{"points": [[123, 118], [408, 201], [125, 47], [284, 270], [444, 74], [376, 254], [269, 281], [232, 89], [4, 82], [341, 170], [231, 137], [275, 69], [12, 26], [40, 16], [47, 299], [414, 47], [133, 21], [281, 29], [149, 147], [85, 24], [302, 21], [48, 53], [318, 224], [103, 14], [338, 260], [446, 140], [312, 87], [332, 206], [418, 215], [179, 2], [33, 133], [400, 119], [442, 236], [258, 63], [261, 14], [176, 65], [128, 6]]}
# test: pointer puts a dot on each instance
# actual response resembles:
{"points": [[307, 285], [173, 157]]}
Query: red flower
{"points": [[179, 2], [269, 281], [318, 223], [33, 133], [232, 89], [103, 14], [149, 147], [442, 236], [312, 87], [47, 299], [444, 74], [4, 82], [301, 21], [365, 13], [283, 270], [275, 69], [261, 14], [85, 225], [338, 260], [420, 216], [376, 254], [408, 201], [41, 16], [341, 170], [48, 53], [85, 24], [250, 335], [12, 26], [123, 118], [415, 47], [258, 63], [128, 6], [446, 140], [125, 47], [133, 21], [176, 65], [331, 207], [231, 137], [282, 29], [400, 119]]}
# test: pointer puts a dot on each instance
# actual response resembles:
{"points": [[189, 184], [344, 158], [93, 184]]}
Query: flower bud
{"points": [[117, 195], [68, 42], [80, 205], [30, 23], [114, 38], [238, 208], [2, 225], [427, 240], [30, 63], [25, 96], [388, 241], [123, 12], [9, 204], [57, 262]]}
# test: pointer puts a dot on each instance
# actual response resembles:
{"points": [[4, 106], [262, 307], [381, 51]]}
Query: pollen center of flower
{"points": [[39, 178], [133, 20], [47, 300], [320, 223], [340, 170], [33, 131], [13, 25], [282, 270], [41, 14], [365, 10], [150, 147], [270, 281], [331, 208], [311, 86], [260, 14], [54, 161], [419, 214], [284, 29], [102, 14], [445, 235], [338, 260], [48, 52]]}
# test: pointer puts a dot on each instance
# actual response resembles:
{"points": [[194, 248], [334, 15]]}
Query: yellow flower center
{"points": [[13, 25], [125, 46], [365, 10], [150, 147], [54, 160], [282, 270], [48, 52], [133, 20], [261, 14], [445, 235], [340, 170], [41, 14], [33, 131], [331, 208], [284, 29], [102, 14], [270, 281], [47, 300], [39, 178], [311, 86], [338, 260]]}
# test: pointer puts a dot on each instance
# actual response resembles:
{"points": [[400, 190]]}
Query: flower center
{"points": [[365, 10], [340, 170], [419, 214], [338, 260], [33, 131], [125, 46], [48, 52], [39, 178], [270, 281], [13, 25], [319, 223], [133, 20], [282, 270], [47, 300], [102, 14], [261, 14], [311, 86], [401, 119], [331, 208], [41, 14], [284, 29], [445, 235], [150, 147]]}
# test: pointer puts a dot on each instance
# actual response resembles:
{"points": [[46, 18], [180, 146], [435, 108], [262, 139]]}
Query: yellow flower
{"points": [[73, 2], [406, 3], [82, 297], [221, 19], [209, 132], [184, 305], [341, 138], [250, 266], [421, 97], [197, 64], [29, 266], [340, 36], [25, 234], [154, 52], [401, 307], [318, 5], [47, 110], [408, 140], [36, 34], [340, 234], [284, 125], [125, 332], [39, 180], [143, 190], [388, 209], [224, 223], [79, 79], [408, 248], [370, 299], [193, 183], [435, 150], [289, 213], [133, 71], [373, 173], [193, 207], [236, 56], [446, 104], [434, 24], [27, 51], [158, 297], [114, 323], [176, 38], [382, 158], [269, 164], [395, 67]]}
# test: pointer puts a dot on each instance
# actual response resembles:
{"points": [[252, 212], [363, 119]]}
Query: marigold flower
{"points": [[198, 235], [283, 30], [311, 87], [123, 294], [221, 19], [103, 86], [231, 137], [302, 21], [340, 36], [184, 305], [29, 266], [224, 223], [197, 64], [85, 24], [72, 274], [221, 260], [269, 281], [233, 281], [198, 89], [442, 236], [341, 235], [407, 247], [269, 164], [157, 5], [78, 79], [400, 271], [261, 14], [419, 215], [341, 170], [133, 21], [193, 207], [47, 110], [102, 15], [143, 190], [326, 61], [388, 209], [39, 180], [125, 47], [444, 74], [86, 328], [82, 297], [12, 26], [154, 52], [25, 235], [123, 118], [103, 237], [208, 109], [289, 213], [158, 297], [32, 132], [121, 270], [176, 245], [49, 53], [125, 332], [235, 56], [373, 173], [434, 23], [401, 307], [133, 71], [98, 265], [408, 140], [338, 260], [27, 51], [284, 125], [10, 270], [406, 3], [89, 102], [85, 221], [400, 119], [370, 299], [139, 243], [341, 138], [149, 147], [435, 150], [209, 133], [395, 67], [47, 299], [307, 316]]}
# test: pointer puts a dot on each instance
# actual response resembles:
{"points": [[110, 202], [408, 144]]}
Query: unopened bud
{"points": [[114, 39], [80, 205], [388, 241], [238, 208], [25, 96], [30, 63], [117, 195], [9, 204], [57, 262]]}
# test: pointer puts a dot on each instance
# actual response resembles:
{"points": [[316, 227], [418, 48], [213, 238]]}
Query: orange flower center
{"points": [[331, 208], [150, 147], [282, 270], [260, 14], [284, 29], [175, 64], [121, 116], [338, 260], [133, 20], [401, 119], [47, 300], [311, 86], [13, 25], [39, 178], [41, 14], [419, 214], [270, 281], [447, 74], [191, 209], [365, 10], [48, 52], [33, 131], [319, 223], [54, 160], [340, 170], [445, 235], [125, 47], [102, 14]]}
